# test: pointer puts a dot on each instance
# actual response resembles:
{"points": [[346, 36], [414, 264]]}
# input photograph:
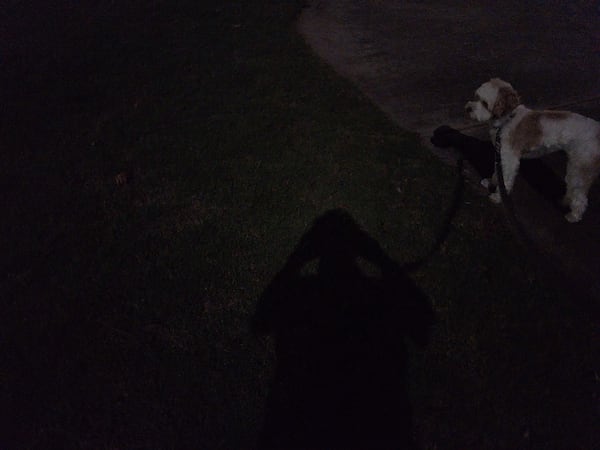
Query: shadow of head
{"points": [[340, 342]]}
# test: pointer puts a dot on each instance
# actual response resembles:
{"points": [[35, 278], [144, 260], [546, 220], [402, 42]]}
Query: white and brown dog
{"points": [[526, 133]]}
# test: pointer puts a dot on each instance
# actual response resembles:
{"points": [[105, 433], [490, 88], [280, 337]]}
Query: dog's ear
{"points": [[506, 100]]}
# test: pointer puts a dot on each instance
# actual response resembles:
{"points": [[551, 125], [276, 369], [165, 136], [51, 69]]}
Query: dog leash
{"points": [[506, 199], [457, 197], [446, 226]]}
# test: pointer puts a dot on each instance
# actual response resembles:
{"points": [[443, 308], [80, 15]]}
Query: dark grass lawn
{"points": [[160, 161]]}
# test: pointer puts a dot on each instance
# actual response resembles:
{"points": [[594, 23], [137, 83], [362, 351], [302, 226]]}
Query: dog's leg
{"points": [[490, 183], [579, 179], [510, 167]]}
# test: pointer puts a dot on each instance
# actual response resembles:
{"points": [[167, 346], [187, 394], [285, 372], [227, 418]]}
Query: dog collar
{"points": [[502, 121], [499, 125]]}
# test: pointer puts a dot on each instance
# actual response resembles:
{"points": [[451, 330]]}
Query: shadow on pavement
{"points": [[340, 377]]}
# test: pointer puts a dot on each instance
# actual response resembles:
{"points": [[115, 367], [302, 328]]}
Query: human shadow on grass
{"points": [[480, 154], [340, 376]]}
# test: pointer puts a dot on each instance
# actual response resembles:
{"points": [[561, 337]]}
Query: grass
{"points": [[125, 319]]}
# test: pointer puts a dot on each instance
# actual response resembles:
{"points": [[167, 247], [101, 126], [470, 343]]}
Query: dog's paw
{"points": [[572, 218], [486, 183], [495, 197]]}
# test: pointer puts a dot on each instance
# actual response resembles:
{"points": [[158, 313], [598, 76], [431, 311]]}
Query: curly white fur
{"points": [[530, 134]]}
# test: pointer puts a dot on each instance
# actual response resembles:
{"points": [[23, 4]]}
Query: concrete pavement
{"points": [[421, 61]]}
